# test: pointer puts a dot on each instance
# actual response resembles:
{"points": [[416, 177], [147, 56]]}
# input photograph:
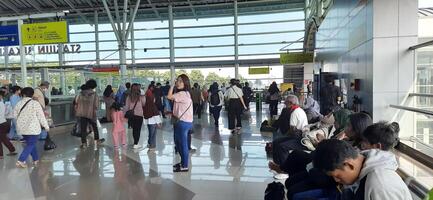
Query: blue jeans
{"points": [[151, 141], [181, 141], [166, 104], [13, 131], [30, 148]]}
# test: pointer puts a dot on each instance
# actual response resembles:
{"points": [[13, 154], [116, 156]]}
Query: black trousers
{"points": [[215, 111], [281, 147], [4, 130], [84, 123], [136, 123], [304, 181], [234, 113], [197, 108], [273, 107]]}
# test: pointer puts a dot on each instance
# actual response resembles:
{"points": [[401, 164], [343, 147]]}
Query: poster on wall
{"points": [[45, 33]]}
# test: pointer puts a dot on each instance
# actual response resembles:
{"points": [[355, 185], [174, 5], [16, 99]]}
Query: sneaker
{"points": [[20, 164], [137, 146], [181, 169], [100, 141], [35, 163], [83, 146], [176, 166], [192, 150], [151, 150], [12, 154]]}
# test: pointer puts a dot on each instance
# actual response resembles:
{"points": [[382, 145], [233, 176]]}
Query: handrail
{"points": [[420, 95], [425, 44], [417, 188], [414, 139], [417, 110]]}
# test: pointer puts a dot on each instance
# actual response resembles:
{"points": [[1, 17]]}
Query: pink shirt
{"points": [[118, 121], [138, 110], [183, 104]]}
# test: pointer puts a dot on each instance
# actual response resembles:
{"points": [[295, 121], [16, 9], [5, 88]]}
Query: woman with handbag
{"points": [[274, 99], [234, 95], [30, 118], [134, 112], [182, 119]]}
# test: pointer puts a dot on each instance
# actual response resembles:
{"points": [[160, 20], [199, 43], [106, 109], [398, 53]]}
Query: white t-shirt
{"points": [[234, 93], [298, 119]]}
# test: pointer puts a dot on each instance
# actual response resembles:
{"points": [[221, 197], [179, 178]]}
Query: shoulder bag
{"points": [[130, 113]]}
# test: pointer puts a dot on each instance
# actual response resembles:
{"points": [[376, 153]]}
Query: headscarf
{"points": [[120, 92], [342, 118]]}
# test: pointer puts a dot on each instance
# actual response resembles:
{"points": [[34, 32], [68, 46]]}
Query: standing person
{"points": [[30, 118], [216, 102], [236, 103], [157, 93], [197, 99], [87, 103], [151, 117], [71, 91], [330, 95], [183, 111], [118, 130], [205, 94], [4, 128], [135, 101], [274, 97], [166, 102], [14, 99], [108, 100], [248, 92], [39, 95]]}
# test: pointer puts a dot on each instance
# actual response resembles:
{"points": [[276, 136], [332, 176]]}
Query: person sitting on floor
{"points": [[290, 124], [371, 172]]}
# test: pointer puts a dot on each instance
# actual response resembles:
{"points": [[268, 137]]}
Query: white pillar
{"points": [[98, 59], [171, 37], [22, 57], [236, 39]]}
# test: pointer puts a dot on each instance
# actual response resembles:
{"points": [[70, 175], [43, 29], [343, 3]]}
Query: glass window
{"points": [[259, 28], [271, 17], [204, 41], [223, 30], [204, 52], [203, 21]]}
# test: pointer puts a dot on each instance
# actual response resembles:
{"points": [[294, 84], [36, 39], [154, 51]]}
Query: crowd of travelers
{"points": [[323, 151]]}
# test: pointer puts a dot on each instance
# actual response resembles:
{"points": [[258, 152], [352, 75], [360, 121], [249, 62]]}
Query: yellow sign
{"points": [[258, 70], [45, 33], [290, 58], [285, 86]]}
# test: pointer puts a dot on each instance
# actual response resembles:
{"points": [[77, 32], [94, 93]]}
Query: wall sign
{"points": [[42, 49], [45, 33], [9, 35]]}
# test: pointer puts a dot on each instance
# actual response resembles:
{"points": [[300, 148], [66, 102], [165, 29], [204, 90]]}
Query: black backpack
{"points": [[274, 191], [215, 99]]}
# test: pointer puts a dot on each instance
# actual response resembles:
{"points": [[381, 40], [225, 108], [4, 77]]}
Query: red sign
{"points": [[106, 69]]}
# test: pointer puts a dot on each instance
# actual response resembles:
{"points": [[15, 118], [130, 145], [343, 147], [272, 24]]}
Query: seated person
{"points": [[312, 109], [290, 124], [371, 173]]}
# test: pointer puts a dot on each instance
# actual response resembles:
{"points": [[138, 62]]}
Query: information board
{"points": [[45, 33], [258, 70], [9, 36], [291, 58]]}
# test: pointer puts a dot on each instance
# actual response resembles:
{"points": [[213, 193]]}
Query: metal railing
{"points": [[412, 109]]}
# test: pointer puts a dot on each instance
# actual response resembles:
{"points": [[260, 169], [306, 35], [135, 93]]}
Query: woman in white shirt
{"points": [[30, 118], [234, 95]]}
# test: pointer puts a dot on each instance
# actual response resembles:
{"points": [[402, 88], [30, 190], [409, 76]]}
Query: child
{"points": [[373, 171], [119, 120], [4, 129]]}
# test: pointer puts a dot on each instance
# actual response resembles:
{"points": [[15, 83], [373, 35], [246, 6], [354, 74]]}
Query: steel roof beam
{"points": [[110, 17], [154, 9], [117, 20], [10, 6], [51, 3], [193, 10], [78, 11], [35, 5], [134, 14]]}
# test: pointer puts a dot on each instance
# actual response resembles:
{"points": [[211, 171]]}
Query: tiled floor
{"points": [[225, 166]]}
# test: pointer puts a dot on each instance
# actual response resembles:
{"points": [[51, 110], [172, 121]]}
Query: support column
{"points": [[132, 44], [236, 39], [6, 50], [171, 37], [34, 78], [22, 57], [44, 75], [98, 58]]}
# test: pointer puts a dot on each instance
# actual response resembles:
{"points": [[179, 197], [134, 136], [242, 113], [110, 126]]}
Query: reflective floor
{"points": [[225, 166]]}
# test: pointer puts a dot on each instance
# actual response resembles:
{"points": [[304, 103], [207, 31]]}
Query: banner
{"points": [[291, 58], [9, 36], [258, 70], [45, 33]]}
